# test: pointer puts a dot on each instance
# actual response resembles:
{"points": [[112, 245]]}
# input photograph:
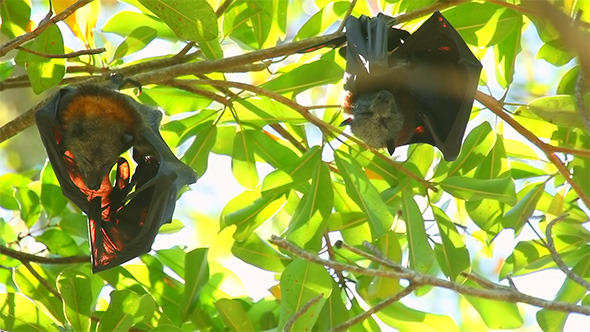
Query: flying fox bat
{"points": [[407, 88], [85, 129]]}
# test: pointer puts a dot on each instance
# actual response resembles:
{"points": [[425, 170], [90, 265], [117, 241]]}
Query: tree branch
{"points": [[12, 44], [557, 259], [495, 106], [301, 311], [502, 294], [65, 55], [24, 257]]}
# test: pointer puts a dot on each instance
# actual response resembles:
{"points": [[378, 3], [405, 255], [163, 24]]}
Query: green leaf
{"points": [[312, 213], [176, 101], [243, 164], [271, 151], [52, 198], [233, 315], [487, 214], [303, 77], [250, 209], [379, 288], [15, 16], [571, 292], [124, 22], [8, 182], [196, 276], [173, 258], [259, 253], [76, 292], [190, 20], [18, 313], [294, 173], [497, 315], [44, 72], [137, 40], [476, 147], [421, 255], [126, 309], [559, 110], [364, 194], [519, 214], [301, 282], [28, 203], [555, 53], [197, 155], [248, 22], [506, 52], [262, 111], [527, 257], [30, 286], [403, 318], [452, 255], [59, 242], [470, 189]]}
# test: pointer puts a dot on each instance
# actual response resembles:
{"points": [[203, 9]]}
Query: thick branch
{"points": [[503, 294], [24, 257]]}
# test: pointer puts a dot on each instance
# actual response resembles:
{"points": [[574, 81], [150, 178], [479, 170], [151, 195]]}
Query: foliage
{"points": [[437, 218]]}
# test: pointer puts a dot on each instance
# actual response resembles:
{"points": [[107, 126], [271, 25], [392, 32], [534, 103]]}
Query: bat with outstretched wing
{"points": [[407, 88], [85, 129]]}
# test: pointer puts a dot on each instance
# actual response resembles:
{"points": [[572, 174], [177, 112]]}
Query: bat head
{"points": [[96, 145], [376, 119]]}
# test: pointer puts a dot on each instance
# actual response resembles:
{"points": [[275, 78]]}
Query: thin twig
{"points": [[492, 104], [301, 312], [64, 55], [41, 280], [13, 43], [557, 259], [24, 257], [376, 308], [503, 294], [348, 12]]}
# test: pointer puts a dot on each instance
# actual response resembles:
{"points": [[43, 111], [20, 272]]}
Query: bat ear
{"points": [[390, 146], [346, 122]]}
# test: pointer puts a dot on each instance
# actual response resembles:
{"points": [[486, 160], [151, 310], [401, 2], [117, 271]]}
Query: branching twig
{"points": [[503, 294], [493, 105], [65, 55], [376, 308], [24, 257], [13, 43], [301, 311], [557, 259]]}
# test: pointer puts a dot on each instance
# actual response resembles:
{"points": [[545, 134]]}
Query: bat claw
{"points": [[391, 147], [346, 122]]}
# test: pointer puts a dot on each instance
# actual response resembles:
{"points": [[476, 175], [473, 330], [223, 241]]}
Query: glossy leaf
{"points": [[321, 72], [452, 257], [196, 276], [136, 41], [197, 155], [243, 162], [52, 199], [44, 72], [470, 189], [18, 313], [194, 20], [76, 292], [364, 194], [233, 314], [126, 309], [421, 255], [301, 282], [258, 252], [496, 314]]}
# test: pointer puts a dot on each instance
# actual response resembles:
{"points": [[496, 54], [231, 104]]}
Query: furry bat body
{"points": [[85, 130], [408, 88]]}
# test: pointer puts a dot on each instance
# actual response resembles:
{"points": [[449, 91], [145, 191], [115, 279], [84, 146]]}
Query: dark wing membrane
{"points": [[442, 75], [131, 228], [369, 43], [63, 165]]}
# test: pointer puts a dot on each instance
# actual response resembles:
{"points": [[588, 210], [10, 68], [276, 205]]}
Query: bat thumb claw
{"points": [[391, 147], [346, 122]]}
